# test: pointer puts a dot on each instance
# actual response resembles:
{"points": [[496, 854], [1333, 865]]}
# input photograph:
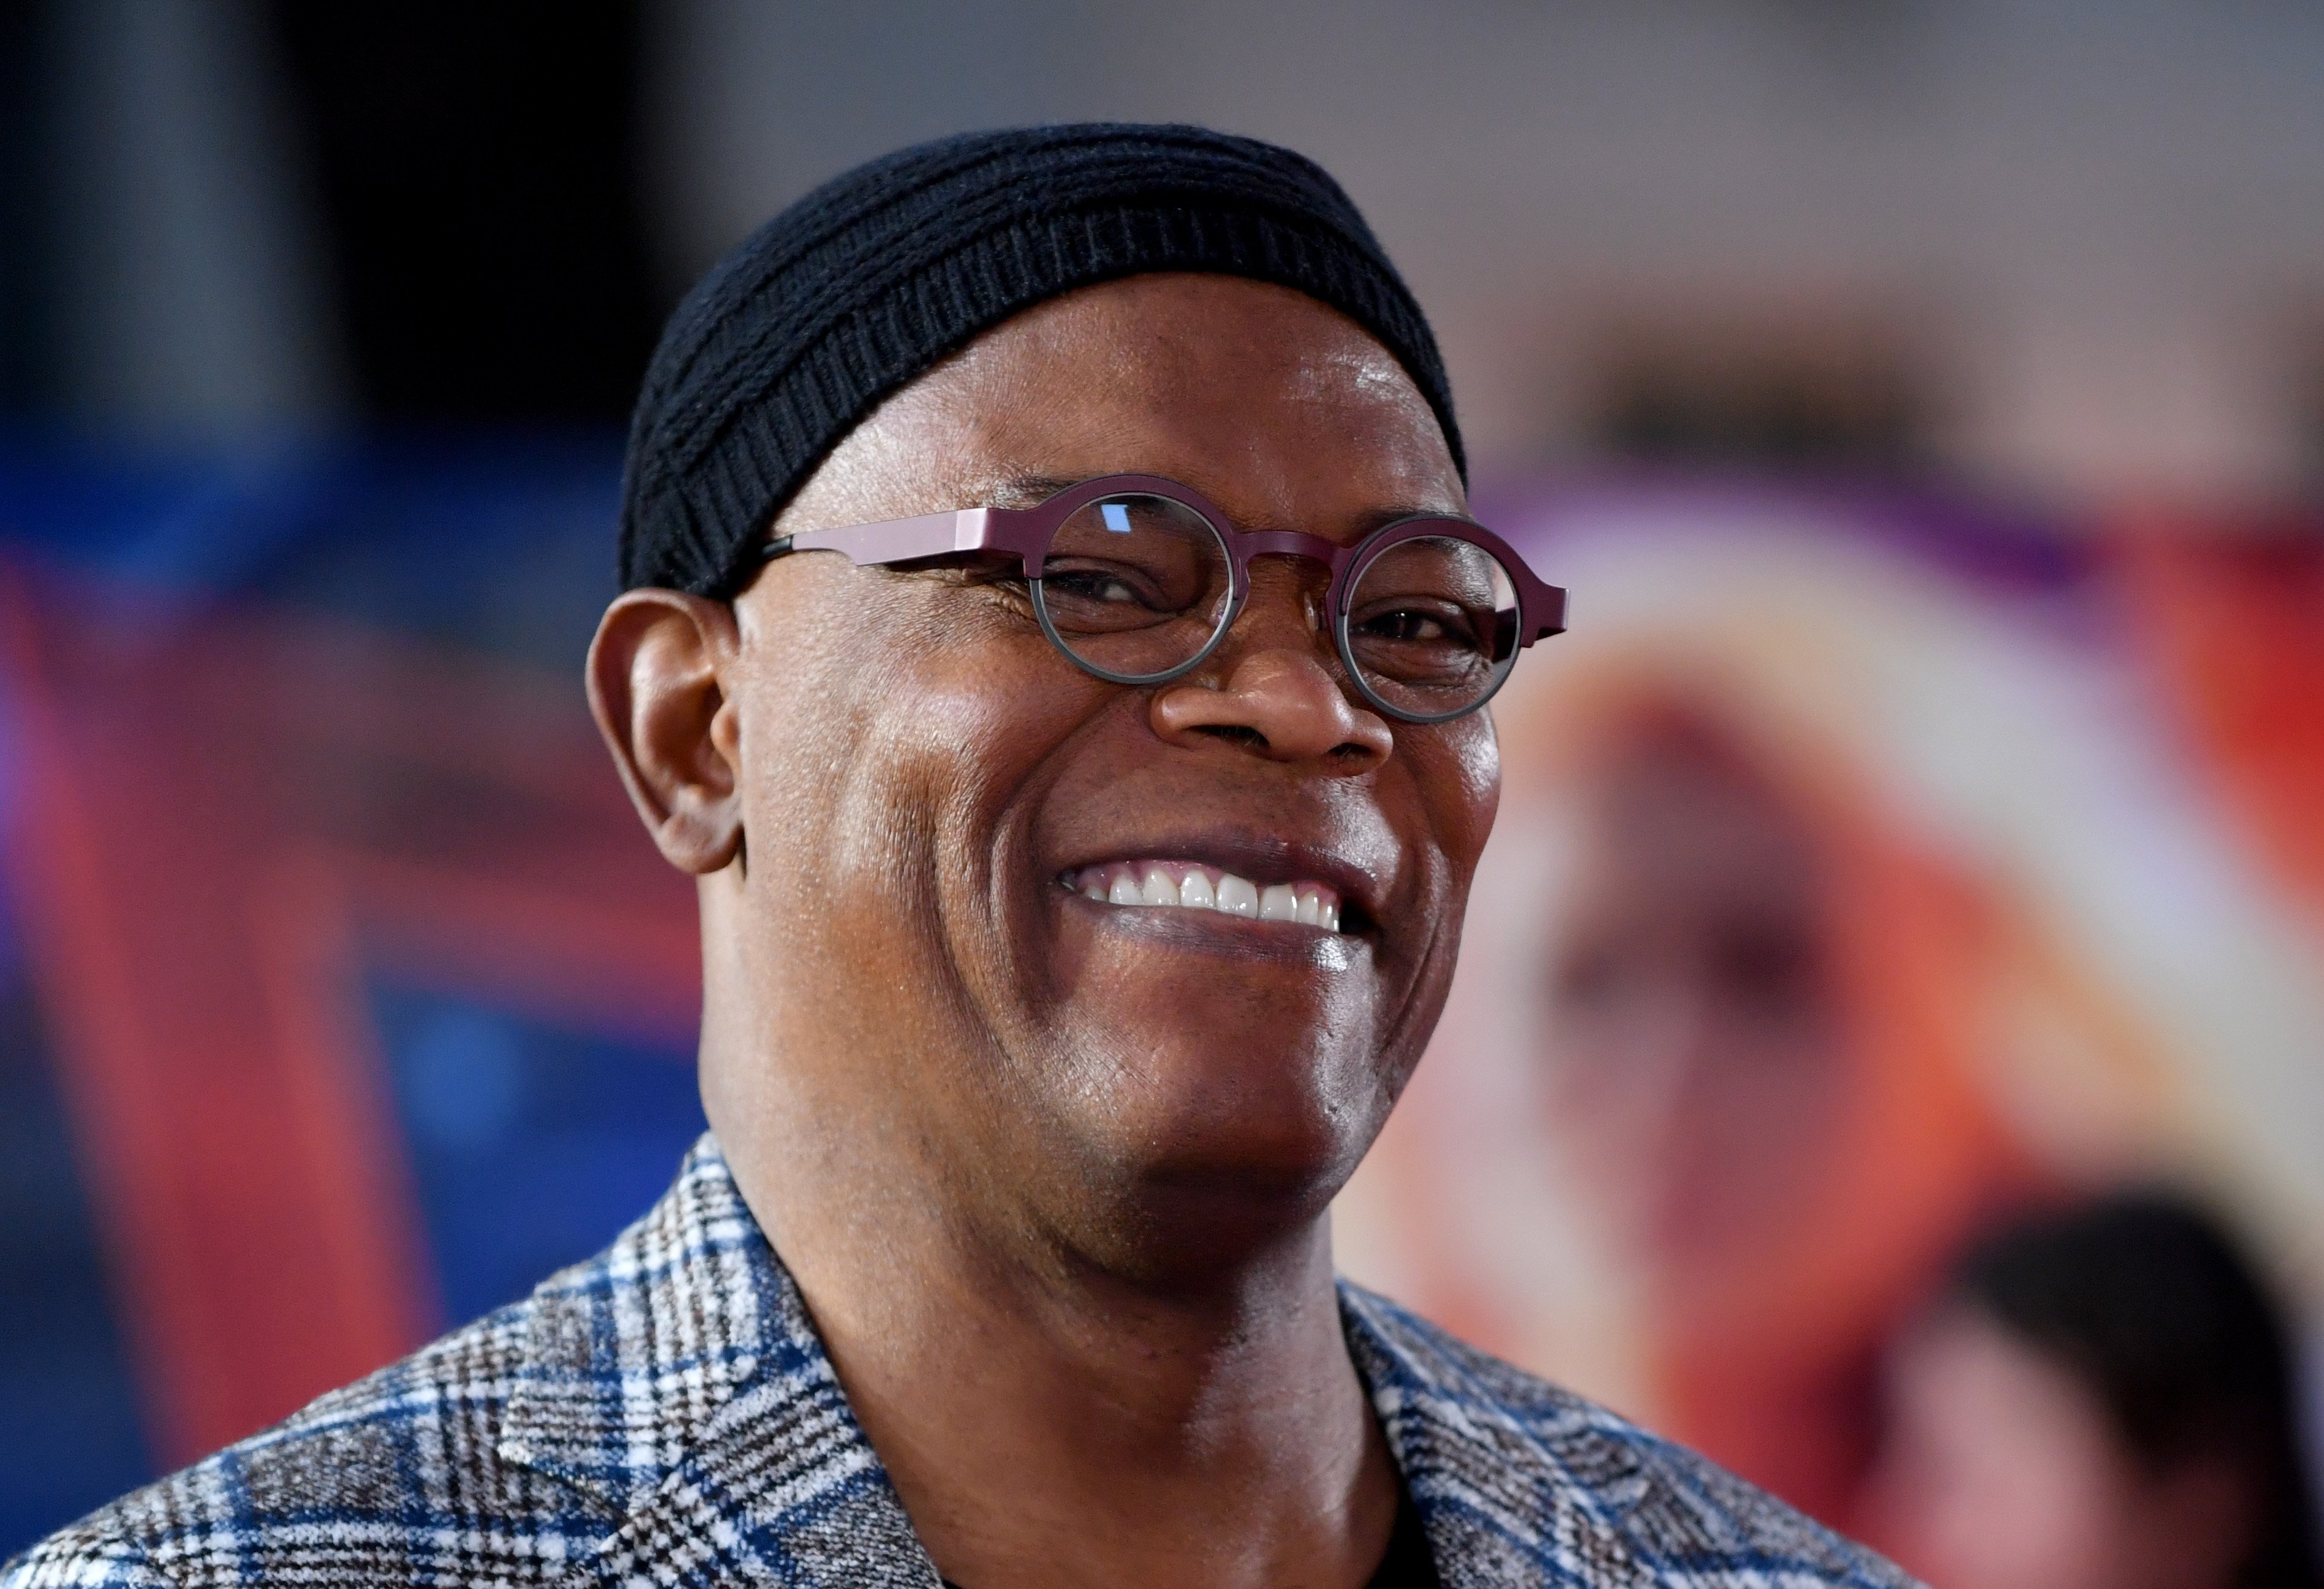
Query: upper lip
{"points": [[1262, 858]]}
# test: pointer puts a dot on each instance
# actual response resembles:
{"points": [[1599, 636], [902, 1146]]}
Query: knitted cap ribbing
{"points": [[804, 328]]}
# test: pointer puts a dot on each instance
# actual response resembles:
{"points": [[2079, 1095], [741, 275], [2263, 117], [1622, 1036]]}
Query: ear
{"points": [[657, 686]]}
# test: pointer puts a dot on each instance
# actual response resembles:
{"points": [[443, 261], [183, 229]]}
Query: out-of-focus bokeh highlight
{"points": [[1921, 831]]}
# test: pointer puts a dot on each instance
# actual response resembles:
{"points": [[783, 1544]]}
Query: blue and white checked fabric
{"points": [[665, 1414]]}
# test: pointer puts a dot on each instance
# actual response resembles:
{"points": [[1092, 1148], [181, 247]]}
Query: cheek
{"points": [[1453, 776], [954, 745], [2029, 1515], [2001, 1474], [1462, 781], [888, 751]]}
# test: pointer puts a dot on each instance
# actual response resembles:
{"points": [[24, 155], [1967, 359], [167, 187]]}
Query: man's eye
{"points": [[1093, 586], [1406, 623]]}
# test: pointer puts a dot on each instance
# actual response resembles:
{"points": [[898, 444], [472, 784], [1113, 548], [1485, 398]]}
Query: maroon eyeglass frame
{"points": [[1025, 533]]}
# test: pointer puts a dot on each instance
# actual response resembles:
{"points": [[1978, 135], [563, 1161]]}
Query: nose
{"points": [[1279, 702]]}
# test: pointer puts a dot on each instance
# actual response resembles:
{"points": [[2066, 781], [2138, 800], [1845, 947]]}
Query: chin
{"points": [[1219, 1080], [1201, 1162]]}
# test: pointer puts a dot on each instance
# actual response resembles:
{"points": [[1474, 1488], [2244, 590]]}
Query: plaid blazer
{"points": [[665, 1414]]}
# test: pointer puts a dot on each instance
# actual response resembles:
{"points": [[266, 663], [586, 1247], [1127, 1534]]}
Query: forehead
{"points": [[1278, 408]]}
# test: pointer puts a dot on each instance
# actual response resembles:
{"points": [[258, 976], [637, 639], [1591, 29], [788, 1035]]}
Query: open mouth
{"points": [[1190, 885]]}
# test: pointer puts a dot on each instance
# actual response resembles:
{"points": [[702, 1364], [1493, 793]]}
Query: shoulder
{"points": [[499, 1454], [83, 1556], [366, 1477], [1471, 1419]]}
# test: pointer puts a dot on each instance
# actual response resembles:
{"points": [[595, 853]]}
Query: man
{"points": [[1081, 853]]}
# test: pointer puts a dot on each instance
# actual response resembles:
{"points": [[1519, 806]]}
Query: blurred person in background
{"points": [[1818, 946], [1776, 1149], [2101, 1397]]}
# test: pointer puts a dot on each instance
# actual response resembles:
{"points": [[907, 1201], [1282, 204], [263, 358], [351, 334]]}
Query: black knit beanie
{"points": [[797, 335]]}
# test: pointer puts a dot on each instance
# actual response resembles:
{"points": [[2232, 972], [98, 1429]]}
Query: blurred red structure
{"points": [[2234, 616], [229, 819]]}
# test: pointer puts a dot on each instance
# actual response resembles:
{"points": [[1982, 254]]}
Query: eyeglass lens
{"points": [[1431, 625], [1134, 586]]}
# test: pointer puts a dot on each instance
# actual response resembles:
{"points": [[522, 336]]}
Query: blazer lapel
{"points": [[678, 1380], [1507, 1501]]}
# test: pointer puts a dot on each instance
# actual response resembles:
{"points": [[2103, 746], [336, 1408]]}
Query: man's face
{"points": [[1695, 1054], [922, 777]]}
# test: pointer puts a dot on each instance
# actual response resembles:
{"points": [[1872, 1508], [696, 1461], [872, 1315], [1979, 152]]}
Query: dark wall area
{"points": [[478, 174]]}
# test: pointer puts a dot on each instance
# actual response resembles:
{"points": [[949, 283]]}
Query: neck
{"points": [[1045, 1419]]}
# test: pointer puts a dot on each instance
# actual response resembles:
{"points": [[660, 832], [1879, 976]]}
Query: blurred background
{"points": [[1922, 825]]}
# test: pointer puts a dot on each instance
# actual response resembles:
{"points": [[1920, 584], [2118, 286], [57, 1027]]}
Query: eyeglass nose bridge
{"points": [[1243, 546]]}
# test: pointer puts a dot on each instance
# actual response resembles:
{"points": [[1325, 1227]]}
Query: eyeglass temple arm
{"points": [[896, 540], [1548, 601]]}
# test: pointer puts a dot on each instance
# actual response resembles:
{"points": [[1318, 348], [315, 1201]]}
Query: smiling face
{"points": [[949, 934]]}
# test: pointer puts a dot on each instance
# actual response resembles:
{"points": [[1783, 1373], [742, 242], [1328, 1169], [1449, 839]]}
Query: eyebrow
{"points": [[1023, 491], [1029, 490]]}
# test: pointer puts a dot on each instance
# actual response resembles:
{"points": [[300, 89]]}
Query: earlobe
{"points": [[657, 673]]}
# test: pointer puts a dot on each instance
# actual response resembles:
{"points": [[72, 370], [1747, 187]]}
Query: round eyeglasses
{"points": [[1137, 579]]}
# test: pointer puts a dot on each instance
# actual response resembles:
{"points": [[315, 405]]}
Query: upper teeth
{"points": [[1192, 884]]}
